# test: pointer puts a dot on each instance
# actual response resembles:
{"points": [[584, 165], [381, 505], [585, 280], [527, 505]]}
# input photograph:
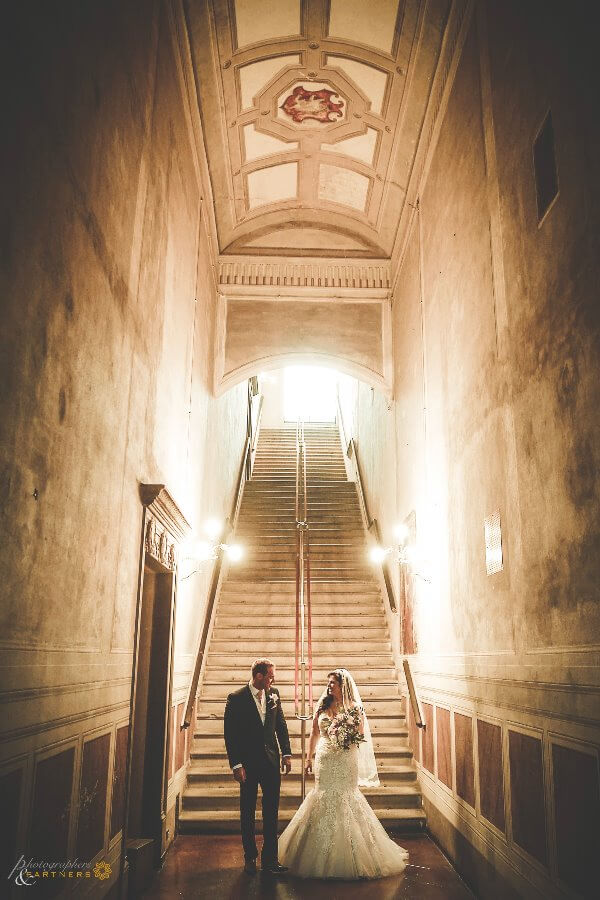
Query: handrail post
{"points": [[303, 621]]}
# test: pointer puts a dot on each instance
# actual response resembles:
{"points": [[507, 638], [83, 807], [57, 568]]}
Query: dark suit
{"points": [[256, 747]]}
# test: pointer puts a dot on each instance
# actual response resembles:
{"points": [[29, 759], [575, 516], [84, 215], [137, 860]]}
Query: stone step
{"points": [[206, 743], [342, 648], [203, 797], [207, 726], [217, 776], [228, 821], [331, 659], [366, 677], [267, 633], [331, 620], [389, 707]]}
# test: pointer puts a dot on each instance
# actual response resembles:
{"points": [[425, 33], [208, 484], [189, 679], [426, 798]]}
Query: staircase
{"points": [[255, 616]]}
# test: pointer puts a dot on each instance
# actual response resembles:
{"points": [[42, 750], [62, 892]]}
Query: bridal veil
{"points": [[367, 767]]}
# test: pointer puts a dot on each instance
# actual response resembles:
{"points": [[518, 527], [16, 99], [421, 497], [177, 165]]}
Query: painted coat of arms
{"points": [[306, 104]]}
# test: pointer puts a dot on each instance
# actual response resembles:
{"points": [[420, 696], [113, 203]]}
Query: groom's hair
{"points": [[261, 666]]}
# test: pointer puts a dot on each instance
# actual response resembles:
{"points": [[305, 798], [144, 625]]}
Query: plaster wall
{"points": [[108, 312], [259, 334], [495, 323]]}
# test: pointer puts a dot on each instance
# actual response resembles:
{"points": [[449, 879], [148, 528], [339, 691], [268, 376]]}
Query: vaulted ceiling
{"points": [[312, 112]]}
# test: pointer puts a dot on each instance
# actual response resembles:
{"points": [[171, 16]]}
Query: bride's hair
{"points": [[328, 698]]}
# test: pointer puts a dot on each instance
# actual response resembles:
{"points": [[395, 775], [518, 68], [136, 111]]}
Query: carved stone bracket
{"points": [[166, 525]]}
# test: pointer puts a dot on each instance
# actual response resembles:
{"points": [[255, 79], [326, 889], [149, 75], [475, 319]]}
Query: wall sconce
{"points": [[404, 553], [215, 542]]}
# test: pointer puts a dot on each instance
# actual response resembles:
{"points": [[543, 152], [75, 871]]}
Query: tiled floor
{"points": [[211, 866]]}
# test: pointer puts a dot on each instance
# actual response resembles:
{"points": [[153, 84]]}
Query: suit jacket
{"points": [[247, 740]]}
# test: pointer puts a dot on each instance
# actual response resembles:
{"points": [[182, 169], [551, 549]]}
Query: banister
{"points": [[414, 697], [303, 607], [215, 584], [371, 526]]}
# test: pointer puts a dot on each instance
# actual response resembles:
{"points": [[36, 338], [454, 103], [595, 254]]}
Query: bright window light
{"points": [[309, 393]]}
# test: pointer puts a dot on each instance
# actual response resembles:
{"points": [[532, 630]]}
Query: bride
{"points": [[335, 833]]}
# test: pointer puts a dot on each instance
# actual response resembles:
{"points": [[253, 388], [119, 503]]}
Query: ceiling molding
{"points": [[288, 274], [349, 170]]}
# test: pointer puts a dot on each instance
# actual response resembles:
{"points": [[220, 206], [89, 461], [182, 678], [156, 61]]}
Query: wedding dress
{"points": [[335, 833]]}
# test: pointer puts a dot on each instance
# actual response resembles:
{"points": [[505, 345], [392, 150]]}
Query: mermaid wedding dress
{"points": [[335, 833]]}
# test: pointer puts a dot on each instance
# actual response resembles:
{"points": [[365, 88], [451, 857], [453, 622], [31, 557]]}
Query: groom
{"points": [[254, 724]]}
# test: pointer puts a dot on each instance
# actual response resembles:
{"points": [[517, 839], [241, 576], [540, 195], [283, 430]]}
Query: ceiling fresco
{"points": [[312, 111]]}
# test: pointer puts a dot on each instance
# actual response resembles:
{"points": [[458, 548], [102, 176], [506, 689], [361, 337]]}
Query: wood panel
{"points": [[491, 778], [577, 818], [179, 739], [427, 739], [171, 746], [118, 786], [51, 811], [527, 794], [93, 789], [444, 756], [10, 804], [463, 753]]}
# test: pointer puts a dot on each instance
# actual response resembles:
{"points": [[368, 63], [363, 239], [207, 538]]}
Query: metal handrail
{"points": [[215, 584], [303, 649], [371, 525]]}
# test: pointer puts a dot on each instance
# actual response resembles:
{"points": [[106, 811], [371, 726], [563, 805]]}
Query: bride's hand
{"points": [[308, 767]]}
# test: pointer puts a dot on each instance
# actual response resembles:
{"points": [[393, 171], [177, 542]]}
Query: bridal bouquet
{"points": [[344, 731]]}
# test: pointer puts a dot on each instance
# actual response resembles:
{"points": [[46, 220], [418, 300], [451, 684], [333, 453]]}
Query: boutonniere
{"points": [[273, 700]]}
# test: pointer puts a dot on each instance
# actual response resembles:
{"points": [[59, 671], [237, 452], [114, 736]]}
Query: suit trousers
{"points": [[269, 778]]}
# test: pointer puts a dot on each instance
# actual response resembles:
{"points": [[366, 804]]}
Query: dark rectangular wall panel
{"points": [[577, 816], [428, 737], [463, 752], [118, 787], [444, 757], [51, 811], [180, 739], [171, 745], [92, 797], [10, 803], [527, 794], [491, 778]]}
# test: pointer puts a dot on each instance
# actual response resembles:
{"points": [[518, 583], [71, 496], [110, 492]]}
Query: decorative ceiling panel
{"points": [[261, 20], [312, 110], [372, 23]]}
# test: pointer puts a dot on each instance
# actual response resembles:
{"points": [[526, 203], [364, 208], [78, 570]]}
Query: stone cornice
{"points": [[162, 505], [306, 273]]}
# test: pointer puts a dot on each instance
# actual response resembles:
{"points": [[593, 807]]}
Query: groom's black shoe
{"points": [[274, 869], [250, 867]]}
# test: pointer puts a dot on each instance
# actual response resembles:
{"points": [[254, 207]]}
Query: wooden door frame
{"points": [[164, 527]]}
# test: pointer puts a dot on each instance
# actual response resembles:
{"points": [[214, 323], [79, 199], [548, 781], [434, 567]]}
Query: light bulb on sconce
{"points": [[200, 551], [405, 553], [234, 551], [378, 554]]}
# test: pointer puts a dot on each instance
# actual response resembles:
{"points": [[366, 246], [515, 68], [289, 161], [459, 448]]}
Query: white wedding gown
{"points": [[335, 833]]}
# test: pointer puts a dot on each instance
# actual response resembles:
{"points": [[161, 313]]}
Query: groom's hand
{"points": [[240, 774], [286, 765]]}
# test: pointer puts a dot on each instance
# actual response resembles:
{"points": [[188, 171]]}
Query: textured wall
{"points": [[495, 323], [107, 328]]}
